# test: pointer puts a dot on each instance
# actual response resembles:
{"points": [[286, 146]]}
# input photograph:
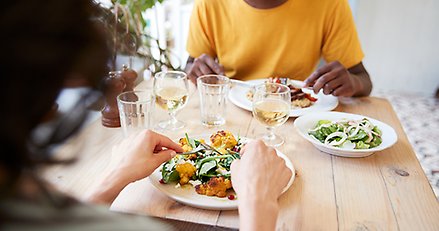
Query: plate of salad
{"points": [[202, 179], [344, 134]]}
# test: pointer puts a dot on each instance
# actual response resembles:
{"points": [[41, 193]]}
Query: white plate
{"points": [[304, 123], [188, 196], [238, 96]]}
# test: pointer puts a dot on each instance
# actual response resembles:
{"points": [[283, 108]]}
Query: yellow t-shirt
{"points": [[285, 41]]}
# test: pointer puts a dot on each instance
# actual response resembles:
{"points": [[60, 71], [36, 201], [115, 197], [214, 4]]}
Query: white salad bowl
{"points": [[307, 122]]}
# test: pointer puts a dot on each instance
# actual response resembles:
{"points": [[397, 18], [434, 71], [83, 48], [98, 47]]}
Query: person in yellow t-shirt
{"points": [[252, 39]]}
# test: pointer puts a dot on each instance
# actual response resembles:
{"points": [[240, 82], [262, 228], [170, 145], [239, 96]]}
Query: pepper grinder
{"points": [[113, 86], [129, 76]]}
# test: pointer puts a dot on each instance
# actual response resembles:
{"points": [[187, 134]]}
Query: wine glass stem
{"points": [[173, 120], [270, 133]]}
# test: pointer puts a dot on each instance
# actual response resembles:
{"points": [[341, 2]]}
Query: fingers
{"points": [[207, 65], [234, 170], [322, 76], [256, 148], [332, 78], [204, 69], [204, 65], [332, 86], [262, 147], [212, 64], [161, 141], [323, 83], [285, 177], [163, 156], [221, 70], [235, 165], [242, 149], [316, 74], [344, 90]]}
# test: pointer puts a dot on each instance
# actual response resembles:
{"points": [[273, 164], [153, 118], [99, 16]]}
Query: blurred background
{"points": [[398, 37]]}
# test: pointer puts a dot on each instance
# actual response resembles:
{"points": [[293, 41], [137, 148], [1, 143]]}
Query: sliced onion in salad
{"points": [[342, 135], [348, 145], [347, 133]]}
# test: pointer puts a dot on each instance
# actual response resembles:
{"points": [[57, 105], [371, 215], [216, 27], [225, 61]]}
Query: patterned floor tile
{"points": [[419, 116]]}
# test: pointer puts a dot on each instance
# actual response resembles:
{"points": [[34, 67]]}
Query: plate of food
{"points": [[345, 134], [303, 101], [202, 179]]}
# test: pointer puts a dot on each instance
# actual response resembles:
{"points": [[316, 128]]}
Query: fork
{"points": [[242, 83], [249, 85], [193, 151]]}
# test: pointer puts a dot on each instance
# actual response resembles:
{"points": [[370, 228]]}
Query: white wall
{"points": [[180, 13], [400, 39]]}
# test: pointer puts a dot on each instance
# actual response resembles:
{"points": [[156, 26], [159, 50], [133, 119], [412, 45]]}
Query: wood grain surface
{"points": [[385, 191]]}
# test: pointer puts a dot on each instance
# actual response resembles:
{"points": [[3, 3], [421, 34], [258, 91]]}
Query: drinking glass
{"points": [[171, 91], [135, 110], [213, 90], [271, 107]]}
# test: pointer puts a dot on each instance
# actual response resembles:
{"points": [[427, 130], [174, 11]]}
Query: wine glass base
{"points": [[273, 140], [168, 125]]}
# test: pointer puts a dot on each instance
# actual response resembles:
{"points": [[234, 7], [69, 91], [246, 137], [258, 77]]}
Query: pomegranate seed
{"points": [[162, 181], [231, 197]]}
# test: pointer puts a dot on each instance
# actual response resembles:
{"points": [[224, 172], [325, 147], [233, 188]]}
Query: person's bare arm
{"points": [[258, 215], [203, 65], [253, 180], [335, 79], [109, 188]]}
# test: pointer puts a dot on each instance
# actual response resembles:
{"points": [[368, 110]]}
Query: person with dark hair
{"points": [[254, 39], [48, 45]]}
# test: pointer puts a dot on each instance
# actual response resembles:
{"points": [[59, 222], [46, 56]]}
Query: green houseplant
{"points": [[127, 28]]}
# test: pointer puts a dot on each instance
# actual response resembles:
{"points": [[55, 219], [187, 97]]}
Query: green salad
{"points": [[208, 168], [350, 134]]}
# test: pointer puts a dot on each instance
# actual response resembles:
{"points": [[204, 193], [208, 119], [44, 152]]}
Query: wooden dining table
{"points": [[385, 191]]}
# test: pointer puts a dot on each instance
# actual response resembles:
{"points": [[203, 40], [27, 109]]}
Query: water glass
{"points": [[135, 110], [213, 90]]}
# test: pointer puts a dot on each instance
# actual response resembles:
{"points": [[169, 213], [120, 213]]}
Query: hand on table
{"points": [[258, 178], [133, 159], [203, 65], [334, 79]]}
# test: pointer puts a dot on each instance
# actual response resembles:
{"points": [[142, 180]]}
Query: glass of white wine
{"points": [[171, 91], [271, 107]]}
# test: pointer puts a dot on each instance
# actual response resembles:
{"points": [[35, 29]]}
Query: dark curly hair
{"points": [[42, 44]]}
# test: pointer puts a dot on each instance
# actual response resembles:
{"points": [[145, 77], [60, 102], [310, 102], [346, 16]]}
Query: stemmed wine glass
{"points": [[171, 91], [271, 107]]}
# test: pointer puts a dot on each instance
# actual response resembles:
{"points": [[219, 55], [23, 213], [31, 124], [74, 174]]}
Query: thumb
{"points": [[163, 156], [308, 82], [234, 168], [221, 69]]}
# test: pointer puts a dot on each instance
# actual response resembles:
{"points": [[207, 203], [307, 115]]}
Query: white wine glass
{"points": [[271, 107], [171, 91]]}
